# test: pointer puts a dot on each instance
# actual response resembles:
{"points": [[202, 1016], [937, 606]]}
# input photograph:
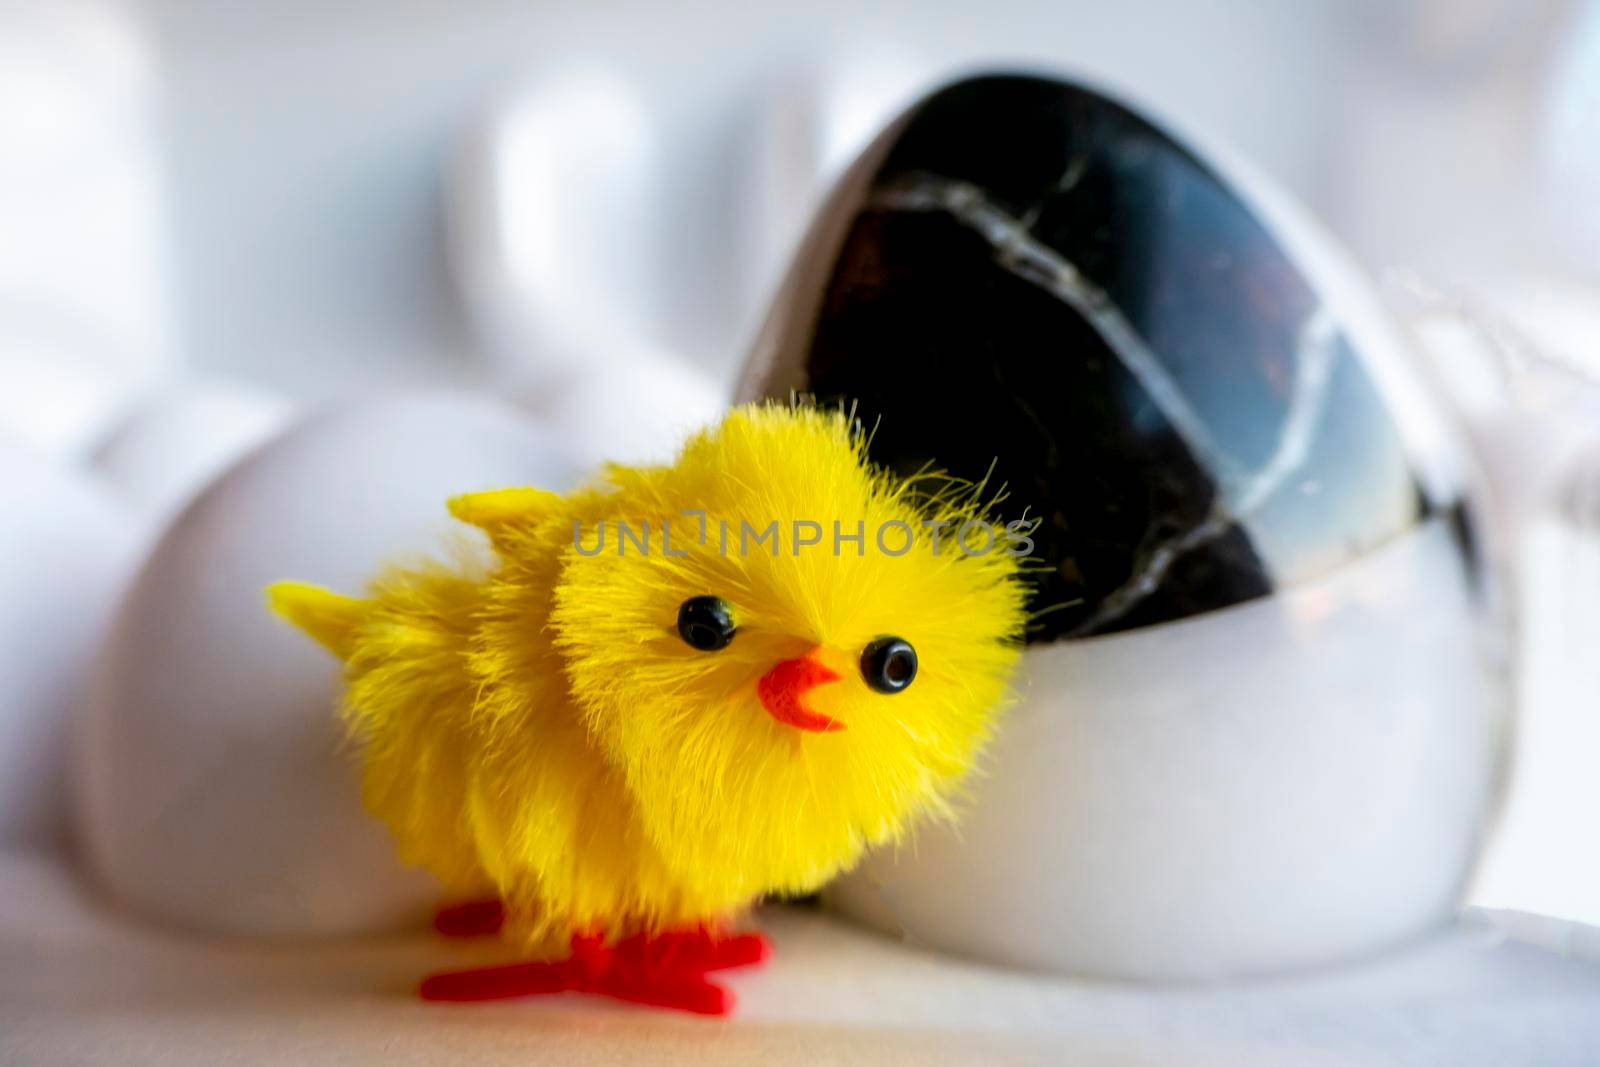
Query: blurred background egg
{"points": [[1264, 695], [170, 445], [65, 549], [639, 411], [215, 791]]}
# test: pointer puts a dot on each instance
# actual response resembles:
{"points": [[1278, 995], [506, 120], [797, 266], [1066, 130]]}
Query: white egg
{"points": [[216, 791], [173, 444], [639, 410], [64, 551]]}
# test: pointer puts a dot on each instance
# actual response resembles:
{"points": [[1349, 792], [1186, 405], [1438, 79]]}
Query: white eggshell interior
{"points": [[1291, 781]]}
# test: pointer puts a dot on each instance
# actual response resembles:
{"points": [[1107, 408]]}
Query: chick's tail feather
{"points": [[329, 618]]}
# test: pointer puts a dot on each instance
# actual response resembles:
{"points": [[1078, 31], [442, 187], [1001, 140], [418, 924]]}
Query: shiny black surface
{"points": [[889, 664], [1030, 275], [706, 623]]}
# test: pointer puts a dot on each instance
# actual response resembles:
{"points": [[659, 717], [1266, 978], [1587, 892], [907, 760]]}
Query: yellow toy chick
{"points": [[672, 692]]}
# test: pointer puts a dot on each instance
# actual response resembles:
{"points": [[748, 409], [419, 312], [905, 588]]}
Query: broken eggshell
{"points": [[1262, 700]]}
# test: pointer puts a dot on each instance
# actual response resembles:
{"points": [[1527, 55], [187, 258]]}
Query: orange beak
{"points": [[782, 688]]}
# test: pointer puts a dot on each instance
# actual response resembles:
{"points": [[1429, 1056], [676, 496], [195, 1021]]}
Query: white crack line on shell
{"points": [[1316, 349], [1032, 260]]}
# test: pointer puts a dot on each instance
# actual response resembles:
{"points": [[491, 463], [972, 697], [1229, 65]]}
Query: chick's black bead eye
{"points": [[706, 623], [889, 664]]}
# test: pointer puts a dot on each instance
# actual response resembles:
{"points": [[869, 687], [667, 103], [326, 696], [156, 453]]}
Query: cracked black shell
{"points": [[1024, 273]]}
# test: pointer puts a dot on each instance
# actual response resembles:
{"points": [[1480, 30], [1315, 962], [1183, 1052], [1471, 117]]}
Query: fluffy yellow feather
{"points": [[540, 727]]}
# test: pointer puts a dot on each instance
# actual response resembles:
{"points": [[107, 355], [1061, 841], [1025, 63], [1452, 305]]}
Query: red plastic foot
{"points": [[496, 983], [590, 959], [740, 950], [667, 971], [695, 951], [475, 918], [684, 992]]}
